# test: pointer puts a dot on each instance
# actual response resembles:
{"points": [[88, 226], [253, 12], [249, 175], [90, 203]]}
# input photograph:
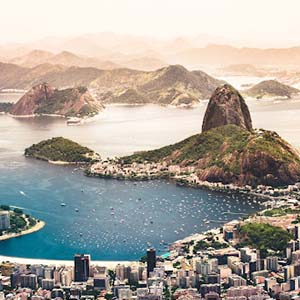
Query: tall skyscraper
{"points": [[151, 260], [81, 267]]}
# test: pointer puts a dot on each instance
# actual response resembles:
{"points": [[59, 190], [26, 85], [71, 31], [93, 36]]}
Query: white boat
{"points": [[63, 204], [74, 121]]}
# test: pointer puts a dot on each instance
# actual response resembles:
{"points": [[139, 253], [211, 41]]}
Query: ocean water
{"points": [[117, 220]]}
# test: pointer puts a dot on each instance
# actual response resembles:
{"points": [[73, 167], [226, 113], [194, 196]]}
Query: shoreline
{"points": [[57, 262], [38, 226]]}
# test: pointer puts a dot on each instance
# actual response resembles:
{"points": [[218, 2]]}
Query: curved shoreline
{"points": [[38, 226], [55, 262]]}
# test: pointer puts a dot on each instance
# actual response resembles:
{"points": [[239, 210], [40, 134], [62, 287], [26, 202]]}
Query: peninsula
{"points": [[59, 150], [15, 223], [44, 99], [228, 151]]}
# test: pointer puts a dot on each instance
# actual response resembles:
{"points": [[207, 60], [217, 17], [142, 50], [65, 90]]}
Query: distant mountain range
{"points": [[144, 53], [173, 85], [223, 55], [15, 77], [67, 58]]}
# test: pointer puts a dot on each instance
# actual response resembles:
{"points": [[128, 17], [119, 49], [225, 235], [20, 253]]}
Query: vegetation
{"points": [[232, 151], [18, 220], [265, 237], [60, 149], [60, 98], [209, 243], [4, 207], [197, 146], [278, 212], [271, 88], [5, 106]]}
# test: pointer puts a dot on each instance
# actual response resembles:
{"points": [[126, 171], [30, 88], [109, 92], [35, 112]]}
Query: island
{"points": [[228, 155], [59, 150], [228, 152], [44, 99], [271, 89], [14, 223]]}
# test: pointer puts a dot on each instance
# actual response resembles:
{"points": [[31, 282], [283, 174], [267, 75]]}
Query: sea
{"points": [[111, 219]]}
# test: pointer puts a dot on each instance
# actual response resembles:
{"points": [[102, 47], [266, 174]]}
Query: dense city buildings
{"points": [[256, 258]]}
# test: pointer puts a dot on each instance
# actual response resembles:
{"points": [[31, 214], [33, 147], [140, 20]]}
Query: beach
{"points": [[38, 226], [52, 262]]}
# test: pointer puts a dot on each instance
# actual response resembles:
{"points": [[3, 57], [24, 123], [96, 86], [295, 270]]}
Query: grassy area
{"points": [[231, 154], [60, 149], [265, 237], [278, 212], [209, 242]]}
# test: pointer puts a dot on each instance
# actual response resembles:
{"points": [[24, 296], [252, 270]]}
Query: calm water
{"points": [[116, 220]]}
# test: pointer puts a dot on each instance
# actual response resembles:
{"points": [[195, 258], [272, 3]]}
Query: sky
{"points": [[264, 23]]}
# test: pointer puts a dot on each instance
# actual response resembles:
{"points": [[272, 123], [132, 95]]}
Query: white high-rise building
{"points": [[4, 219]]}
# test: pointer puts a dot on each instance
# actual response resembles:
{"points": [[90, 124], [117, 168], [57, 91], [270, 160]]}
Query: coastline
{"points": [[54, 262], [35, 115], [38, 226]]}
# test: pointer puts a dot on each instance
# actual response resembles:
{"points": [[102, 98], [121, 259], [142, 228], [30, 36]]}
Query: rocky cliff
{"points": [[226, 106], [45, 99]]}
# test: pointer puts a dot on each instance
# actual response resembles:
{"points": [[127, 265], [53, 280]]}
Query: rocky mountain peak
{"points": [[226, 106]]}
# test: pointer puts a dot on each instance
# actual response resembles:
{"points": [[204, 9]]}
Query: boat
{"points": [[76, 209], [74, 121], [63, 204]]}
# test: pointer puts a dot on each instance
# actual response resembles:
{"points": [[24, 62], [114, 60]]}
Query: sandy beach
{"points": [[51, 262], [38, 226]]}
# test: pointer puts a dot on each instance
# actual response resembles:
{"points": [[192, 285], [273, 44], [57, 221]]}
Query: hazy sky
{"points": [[249, 22]]}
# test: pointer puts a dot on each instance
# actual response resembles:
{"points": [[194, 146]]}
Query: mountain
{"points": [[45, 99], [271, 88], [229, 153], [242, 70], [144, 63], [32, 59], [10, 74], [226, 106], [16, 77], [173, 85], [223, 55], [60, 149], [64, 58]]}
